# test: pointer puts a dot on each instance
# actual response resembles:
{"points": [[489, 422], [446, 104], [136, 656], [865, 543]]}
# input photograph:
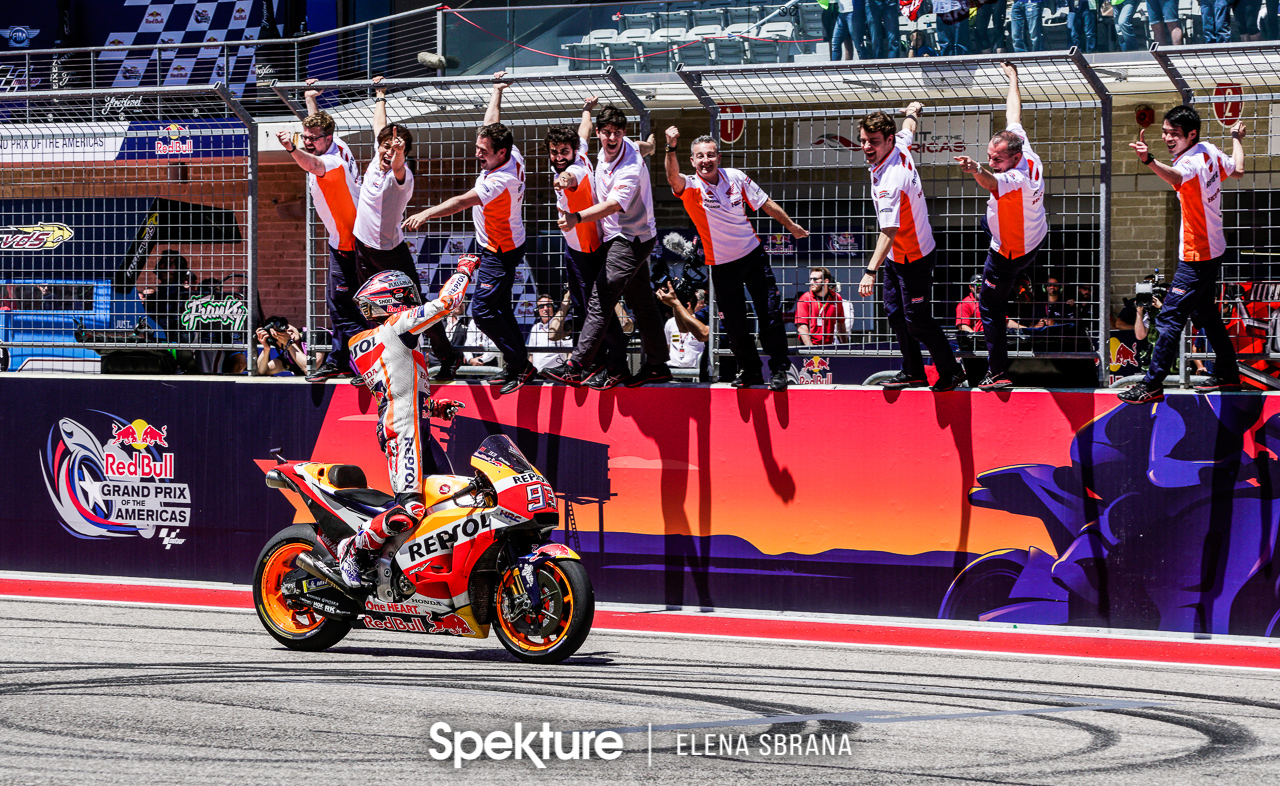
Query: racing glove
{"points": [[443, 408], [467, 263]]}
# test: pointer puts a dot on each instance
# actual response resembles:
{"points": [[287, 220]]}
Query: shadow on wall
{"points": [[1166, 519]]}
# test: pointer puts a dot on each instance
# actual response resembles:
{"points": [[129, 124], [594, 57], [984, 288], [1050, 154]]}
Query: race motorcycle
{"points": [[480, 556]]}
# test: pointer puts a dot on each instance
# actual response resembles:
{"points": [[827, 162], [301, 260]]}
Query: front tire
{"points": [[293, 625], [568, 608]]}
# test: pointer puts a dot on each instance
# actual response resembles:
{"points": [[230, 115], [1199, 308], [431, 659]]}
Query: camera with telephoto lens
{"points": [[1149, 289], [693, 278]]}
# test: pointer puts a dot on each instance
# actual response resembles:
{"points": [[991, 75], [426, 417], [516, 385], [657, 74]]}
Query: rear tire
{"points": [[568, 605], [296, 627]]}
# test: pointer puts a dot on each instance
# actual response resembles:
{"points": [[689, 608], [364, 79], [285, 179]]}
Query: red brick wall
{"points": [[282, 229]]}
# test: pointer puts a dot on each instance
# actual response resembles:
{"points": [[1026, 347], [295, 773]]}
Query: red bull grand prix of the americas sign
{"points": [[123, 488]]}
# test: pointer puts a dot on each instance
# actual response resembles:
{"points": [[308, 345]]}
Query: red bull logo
{"points": [[817, 365], [240, 14], [451, 623], [155, 18], [396, 623], [1123, 355], [139, 434], [176, 145]]}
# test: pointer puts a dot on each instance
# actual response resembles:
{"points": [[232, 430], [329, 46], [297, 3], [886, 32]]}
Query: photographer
{"points": [[686, 334], [281, 352]]}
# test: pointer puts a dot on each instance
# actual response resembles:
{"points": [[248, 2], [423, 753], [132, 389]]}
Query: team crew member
{"points": [[496, 202], [396, 374], [1016, 220], [333, 178], [820, 314], [624, 208], [1196, 174], [905, 249], [584, 255], [717, 198]]}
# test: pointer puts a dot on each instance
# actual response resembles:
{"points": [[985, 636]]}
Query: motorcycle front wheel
{"points": [[556, 630], [293, 625]]}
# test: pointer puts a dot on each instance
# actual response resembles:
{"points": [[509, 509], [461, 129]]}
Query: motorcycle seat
{"points": [[347, 476]]}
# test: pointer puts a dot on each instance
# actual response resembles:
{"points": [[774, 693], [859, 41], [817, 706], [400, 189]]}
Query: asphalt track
{"points": [[122, 693]]}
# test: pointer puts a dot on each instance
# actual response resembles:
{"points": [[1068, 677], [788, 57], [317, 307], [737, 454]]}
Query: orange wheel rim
{"points": [[290, 621], [531, 642]]}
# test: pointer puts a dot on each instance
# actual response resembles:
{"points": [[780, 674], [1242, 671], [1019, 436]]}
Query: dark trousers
{"points": [[370, 261], [344, 317], [999, 276], [908, 301], [491, 305], [753, 273], [625, 274], [1191, 295], [583, 270]]}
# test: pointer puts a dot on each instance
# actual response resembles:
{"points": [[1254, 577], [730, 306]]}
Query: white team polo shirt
{"points": [[719, 211], [381, 208], [499, 226], [585, 236], [625, 180], [336, 192], [1015, 211], [899, 201], [1203, 168]]}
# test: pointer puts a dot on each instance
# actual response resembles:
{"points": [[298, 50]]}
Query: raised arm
{"points": [[494, 113], [1166, 173], [446, 208], [1238, 132], [984, 178], [585, 127], [313, 105], [912, 113], [646, 146], [780, 215], [1013, 102], [672, 164], [555, 328], [379, 121], [301, 157], [686, 322]]}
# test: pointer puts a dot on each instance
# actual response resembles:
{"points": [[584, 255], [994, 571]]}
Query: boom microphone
{"points": [[437, 62], [678, 245]]}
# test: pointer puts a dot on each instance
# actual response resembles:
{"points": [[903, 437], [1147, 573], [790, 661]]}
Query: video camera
{"points": [[693, 277], [1149, 289]]}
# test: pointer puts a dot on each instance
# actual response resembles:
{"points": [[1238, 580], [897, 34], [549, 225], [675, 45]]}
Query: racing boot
{"points": [[353, 563]]}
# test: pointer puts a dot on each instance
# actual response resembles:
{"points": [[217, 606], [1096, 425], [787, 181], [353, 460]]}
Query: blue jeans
{"points": [[953, 39], [1191, 295], [1215, 20], [1025, 19], [1126, 34], [908, 302], [990, 15], [1083, 19], [999, 275], [851, 26], [882, 21], [491, 305]]}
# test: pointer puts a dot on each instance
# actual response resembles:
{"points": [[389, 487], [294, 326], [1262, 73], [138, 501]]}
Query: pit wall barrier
{"points": [[1049, 507]]}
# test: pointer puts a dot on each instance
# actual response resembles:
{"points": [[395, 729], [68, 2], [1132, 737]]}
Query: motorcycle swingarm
{"points": [[320, 595]]}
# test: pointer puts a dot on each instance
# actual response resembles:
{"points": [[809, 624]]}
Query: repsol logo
{"points": [[365, 344], [445, 540]]}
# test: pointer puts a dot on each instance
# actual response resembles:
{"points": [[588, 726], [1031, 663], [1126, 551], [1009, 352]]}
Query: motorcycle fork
{"points": [[525, 579]]}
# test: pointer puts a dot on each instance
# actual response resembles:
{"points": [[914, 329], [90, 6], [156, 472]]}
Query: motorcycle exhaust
{"points": [[323, 571]]}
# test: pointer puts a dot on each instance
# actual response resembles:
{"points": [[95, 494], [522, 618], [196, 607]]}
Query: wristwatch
{"points": [[672, 148], [871, 271]]}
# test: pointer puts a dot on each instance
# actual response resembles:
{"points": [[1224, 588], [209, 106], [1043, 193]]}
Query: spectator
{"points": [[1056, 310], [1166, 28], [1246, 18], [1127, 38], [1025, 25], [1082, 24], [918, 45], [549, 331], [819, 312], [1270, 27], [953, 26], [495, 201], [905, 248], [717, 199], [1215, 21], [164, 302], [968, 319], [882, 21], [686, 334], [988, 26], [333, 179], [851, 27], [282, 352]]}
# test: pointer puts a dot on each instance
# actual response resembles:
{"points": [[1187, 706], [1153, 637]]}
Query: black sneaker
{"points": [[448, 370], [1217, 384], [649, 374], [1141, 394], [604, 379], [995, 382], [501, 378], [329, 370], [568, 372], [517, 380], [950, 381], [778, 381], [903, 380], [746, 379]]}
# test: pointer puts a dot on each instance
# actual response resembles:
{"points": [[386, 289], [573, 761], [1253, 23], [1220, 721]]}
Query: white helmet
{"points": [[387, 293]]}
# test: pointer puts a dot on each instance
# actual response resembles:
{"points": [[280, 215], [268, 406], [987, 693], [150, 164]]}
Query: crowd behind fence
{"points": [[160, 196]]}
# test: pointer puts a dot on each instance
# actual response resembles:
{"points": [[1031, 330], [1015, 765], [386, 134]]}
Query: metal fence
{"points": [[444, 114], [116, 210], [1230, 83], [794, 130]]}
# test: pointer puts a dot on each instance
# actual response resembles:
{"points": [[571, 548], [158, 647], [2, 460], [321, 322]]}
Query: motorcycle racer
{"points": [[396, 374]]}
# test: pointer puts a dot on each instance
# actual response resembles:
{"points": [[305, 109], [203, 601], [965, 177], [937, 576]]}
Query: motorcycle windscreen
{"points": [[500, 450]]}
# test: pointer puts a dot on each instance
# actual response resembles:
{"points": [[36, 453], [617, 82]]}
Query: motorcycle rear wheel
{"points": [[568, 608], [294, 626]]}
